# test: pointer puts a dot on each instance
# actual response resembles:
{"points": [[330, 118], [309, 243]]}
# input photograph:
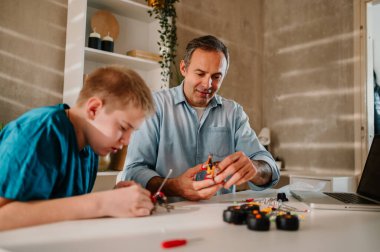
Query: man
{"points": [[192, 121]]}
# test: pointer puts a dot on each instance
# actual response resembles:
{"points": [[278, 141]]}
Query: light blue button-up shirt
{"points": [[174, 138]]}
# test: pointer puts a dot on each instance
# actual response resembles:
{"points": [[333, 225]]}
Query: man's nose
{"points": [[207, 82]]}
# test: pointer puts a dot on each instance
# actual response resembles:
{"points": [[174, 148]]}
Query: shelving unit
{"points": [[137, 30], [112, 58]]}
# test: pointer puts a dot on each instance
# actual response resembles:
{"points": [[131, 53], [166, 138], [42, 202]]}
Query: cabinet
{"points": [[137, 31], [326, 183]]}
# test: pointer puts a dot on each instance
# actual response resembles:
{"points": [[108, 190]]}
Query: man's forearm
{"points": [[169, 189], [264, 173]]}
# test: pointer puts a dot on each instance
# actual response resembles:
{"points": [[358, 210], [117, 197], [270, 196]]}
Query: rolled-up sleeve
{"points": [[246, 141]]}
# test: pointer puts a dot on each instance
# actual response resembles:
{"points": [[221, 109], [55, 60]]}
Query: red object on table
{"points": [[173, 243]]}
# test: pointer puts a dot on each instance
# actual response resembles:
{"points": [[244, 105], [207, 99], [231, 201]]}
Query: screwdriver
{"points": [[177, 242]]}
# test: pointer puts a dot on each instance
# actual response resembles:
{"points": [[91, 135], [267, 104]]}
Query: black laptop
{"points": [[367, 196]]}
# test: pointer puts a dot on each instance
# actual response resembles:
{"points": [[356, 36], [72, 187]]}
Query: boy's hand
{"points": [[129, 200], [186, 187], [122, 184]]}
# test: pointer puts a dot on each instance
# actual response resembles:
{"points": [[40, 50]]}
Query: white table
{"points": [[321, 230]]}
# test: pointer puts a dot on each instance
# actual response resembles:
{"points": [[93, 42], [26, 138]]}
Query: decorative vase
{"points": [[104, 162], [107, 43], [118, 159], [94, 40]]}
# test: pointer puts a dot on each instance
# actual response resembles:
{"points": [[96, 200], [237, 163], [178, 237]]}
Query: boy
{"points": [[49, 155]]}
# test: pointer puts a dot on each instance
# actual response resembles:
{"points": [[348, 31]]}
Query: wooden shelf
{"points": [[115, 58], [125, 8]]}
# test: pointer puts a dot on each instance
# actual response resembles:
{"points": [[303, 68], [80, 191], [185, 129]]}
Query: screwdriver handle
{"points": [[173, 243]]}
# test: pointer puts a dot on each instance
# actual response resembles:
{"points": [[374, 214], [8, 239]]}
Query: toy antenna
{"points": [[163, 182]]}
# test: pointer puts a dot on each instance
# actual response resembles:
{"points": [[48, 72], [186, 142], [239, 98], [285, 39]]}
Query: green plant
{"points": [[164, 11]]}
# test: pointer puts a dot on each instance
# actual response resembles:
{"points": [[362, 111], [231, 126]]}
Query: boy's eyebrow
{"points": [[129, 125]]}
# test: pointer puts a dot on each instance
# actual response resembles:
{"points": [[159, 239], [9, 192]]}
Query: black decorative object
{"points": [[107, 44], [94, 40]]}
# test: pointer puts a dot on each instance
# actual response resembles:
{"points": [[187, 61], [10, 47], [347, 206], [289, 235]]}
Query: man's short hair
{"points": [[117, 85], [207, 43]]}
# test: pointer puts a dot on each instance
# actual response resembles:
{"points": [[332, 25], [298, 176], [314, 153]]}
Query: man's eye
{"points": [[216, 77], [122, 128]]}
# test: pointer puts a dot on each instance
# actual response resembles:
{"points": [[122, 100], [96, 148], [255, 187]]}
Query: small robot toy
{"points": [[159, 198], [210, 167]]}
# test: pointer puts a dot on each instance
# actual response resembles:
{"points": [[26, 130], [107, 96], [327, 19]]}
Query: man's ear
{"points": [[182, 68], [93, 106]]}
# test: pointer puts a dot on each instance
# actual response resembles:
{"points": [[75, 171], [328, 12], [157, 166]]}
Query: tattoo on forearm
{"points": [[264, 172]]}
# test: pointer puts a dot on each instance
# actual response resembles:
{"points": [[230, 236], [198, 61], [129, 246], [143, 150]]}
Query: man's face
{"points": [[112, 130], [203, 76]]}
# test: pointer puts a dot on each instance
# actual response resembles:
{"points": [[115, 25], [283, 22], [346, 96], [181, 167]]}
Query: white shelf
{"points": [[326, 183], [105, 180], [108, 173], [104, 57], [125, 8], [137, 31]]}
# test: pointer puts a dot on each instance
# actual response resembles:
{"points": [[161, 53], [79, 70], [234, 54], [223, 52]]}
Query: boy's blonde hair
{"points": [[117, 85]]}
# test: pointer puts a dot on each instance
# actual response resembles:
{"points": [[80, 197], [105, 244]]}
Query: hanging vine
{"points": [[164, 11]]}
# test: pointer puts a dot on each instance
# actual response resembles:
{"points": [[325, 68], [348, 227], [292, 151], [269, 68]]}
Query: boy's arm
{"points": [[123, 202]]}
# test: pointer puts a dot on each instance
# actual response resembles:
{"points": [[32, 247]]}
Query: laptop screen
{"points": [[369, 185]]}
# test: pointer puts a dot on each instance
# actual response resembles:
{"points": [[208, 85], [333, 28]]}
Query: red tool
{"points": [[177, 242], [159, 197], [173, 243]]}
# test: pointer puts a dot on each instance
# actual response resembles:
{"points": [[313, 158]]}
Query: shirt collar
{"points": [[179, 97]]}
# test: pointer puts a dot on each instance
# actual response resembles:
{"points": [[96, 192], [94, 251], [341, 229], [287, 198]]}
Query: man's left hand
{"points": [[238, 166]]}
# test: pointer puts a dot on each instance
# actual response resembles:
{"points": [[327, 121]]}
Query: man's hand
{"points": [[242, 169], [190, 189], [185, 186]]}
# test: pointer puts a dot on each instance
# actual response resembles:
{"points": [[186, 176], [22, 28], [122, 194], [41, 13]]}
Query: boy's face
{"points": [[112, 130]]}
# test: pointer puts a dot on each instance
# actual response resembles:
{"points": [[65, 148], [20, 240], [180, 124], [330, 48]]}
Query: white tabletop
{"points": [[320, 230]]}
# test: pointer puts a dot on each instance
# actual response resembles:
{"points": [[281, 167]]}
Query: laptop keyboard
{"points": [[349, 198]]}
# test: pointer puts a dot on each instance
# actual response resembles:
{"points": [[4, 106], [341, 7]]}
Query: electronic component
{"points": [[287, 221]]}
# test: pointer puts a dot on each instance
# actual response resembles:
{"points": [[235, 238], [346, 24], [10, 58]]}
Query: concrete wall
{"points": [[291, 67], [308, 83], [239, 25], [32, 47]]}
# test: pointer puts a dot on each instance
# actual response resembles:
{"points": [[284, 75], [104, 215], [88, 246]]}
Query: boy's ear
{"points": [[94, 104]]}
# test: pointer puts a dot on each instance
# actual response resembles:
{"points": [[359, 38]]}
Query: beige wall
{"points": [[308, 83], [291, 67], [239, 25], [32, 44]]}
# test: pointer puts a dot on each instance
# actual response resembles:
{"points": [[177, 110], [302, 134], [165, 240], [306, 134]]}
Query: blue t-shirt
{"points": [[40, 158]]}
